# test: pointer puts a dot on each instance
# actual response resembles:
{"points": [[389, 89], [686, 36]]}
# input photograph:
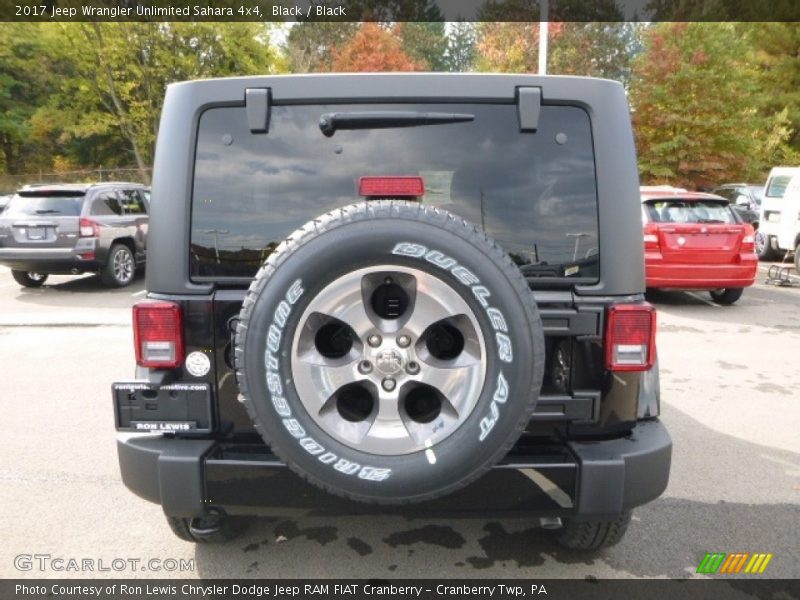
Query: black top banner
{"points": [[399, 10]]}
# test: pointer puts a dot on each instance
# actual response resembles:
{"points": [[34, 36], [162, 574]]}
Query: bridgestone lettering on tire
{"points": [[389, 352]]}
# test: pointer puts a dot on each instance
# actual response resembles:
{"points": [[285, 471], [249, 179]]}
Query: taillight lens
{"points": [[630, 337], [158, 334], [89, 228], [749, 239], [391, 187], [651, 236]]}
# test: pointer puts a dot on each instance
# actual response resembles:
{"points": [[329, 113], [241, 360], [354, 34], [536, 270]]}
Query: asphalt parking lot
{"points": [[730, 397]]}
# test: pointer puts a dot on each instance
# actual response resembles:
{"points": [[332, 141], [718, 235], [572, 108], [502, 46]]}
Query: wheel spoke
{"points": [[352, 313], [345, 302], [318, 377], [388, 425], [457, 383], [427, 311]]}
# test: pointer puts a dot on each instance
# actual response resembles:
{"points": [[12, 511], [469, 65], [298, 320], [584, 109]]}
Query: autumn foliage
{"points": [[693, 96], [373, 49]]}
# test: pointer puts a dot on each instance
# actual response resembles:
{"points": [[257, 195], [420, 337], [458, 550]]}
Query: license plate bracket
{"points": [[36, 233], [171, 408]]}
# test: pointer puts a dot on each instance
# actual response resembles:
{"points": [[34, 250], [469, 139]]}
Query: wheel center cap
{"points": [[389, 362]]}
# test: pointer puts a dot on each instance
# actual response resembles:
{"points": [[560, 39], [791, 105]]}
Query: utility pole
{"points": [[544, 10], [216, 233]]}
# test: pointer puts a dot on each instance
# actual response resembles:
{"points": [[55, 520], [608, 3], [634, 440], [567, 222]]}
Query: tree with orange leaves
{"points": [[373, 49]]}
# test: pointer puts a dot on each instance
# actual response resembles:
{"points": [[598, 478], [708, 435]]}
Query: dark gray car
{"points": [[75, 228]]}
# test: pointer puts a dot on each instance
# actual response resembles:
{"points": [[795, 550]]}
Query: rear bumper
{"points": [[660, 274], [598, 479], [48, 260]]}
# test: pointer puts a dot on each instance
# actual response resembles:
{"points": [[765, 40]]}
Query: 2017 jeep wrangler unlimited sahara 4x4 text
{"points": [[414, 289]]}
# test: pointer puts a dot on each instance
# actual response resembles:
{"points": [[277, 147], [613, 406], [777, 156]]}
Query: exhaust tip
{"points": [[208, 525], [550, 523]]}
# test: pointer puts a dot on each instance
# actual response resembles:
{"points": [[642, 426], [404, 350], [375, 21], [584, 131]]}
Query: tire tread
{"points": [[593, 535]]}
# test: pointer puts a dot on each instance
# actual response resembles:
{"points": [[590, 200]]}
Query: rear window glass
{"points": [[30, 206], [681, 211], [106, 205], [776, 188], [132, 202], [534, 192]]}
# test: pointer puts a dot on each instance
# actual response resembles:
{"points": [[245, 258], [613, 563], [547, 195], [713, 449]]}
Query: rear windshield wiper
{"points": [[47, 211], [381, 119]]}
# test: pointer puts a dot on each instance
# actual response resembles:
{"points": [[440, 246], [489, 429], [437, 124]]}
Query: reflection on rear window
{"points": [[32, 206], [679, 211], [534, 192]]}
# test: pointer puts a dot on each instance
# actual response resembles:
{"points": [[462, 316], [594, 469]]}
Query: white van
{"points": [[773, 208], [788, 237]]}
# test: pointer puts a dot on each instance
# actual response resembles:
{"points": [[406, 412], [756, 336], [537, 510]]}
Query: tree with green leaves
{"points": [[25, 80], [118, 72], [462, 39], [425, 42], [310, 45], [594, 49], [693, 99], [776, 48]]}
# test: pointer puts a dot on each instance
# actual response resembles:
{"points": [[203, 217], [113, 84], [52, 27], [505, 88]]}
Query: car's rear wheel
{"points": [[763, 246], [120, 268], [389, 352], [592, 535], [726, 295], [30, 279]]}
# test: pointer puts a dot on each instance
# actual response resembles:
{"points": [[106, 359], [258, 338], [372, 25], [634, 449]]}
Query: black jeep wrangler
{"points": [[401, 289]]}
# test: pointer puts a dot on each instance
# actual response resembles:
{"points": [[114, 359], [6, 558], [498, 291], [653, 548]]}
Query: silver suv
{"points": [[75, 228]]}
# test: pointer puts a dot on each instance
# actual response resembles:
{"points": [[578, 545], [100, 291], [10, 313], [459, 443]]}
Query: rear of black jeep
{"points": [[370, 290]]}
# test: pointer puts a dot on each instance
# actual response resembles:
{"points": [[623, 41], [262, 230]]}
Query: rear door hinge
{"points": [[257, 104], [529, 106]]}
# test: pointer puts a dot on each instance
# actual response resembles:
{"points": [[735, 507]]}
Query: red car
{"points": [[695, 241]]}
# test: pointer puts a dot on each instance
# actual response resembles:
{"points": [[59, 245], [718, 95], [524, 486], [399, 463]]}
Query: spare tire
{"points": [[389, 352]]}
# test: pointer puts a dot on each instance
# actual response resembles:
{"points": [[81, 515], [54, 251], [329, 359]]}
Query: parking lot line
{"points": [[709, 302], [139, 293]]}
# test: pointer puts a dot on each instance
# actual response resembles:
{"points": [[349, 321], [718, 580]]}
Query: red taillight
{"points": [[630, 337], [89, 228], [651, 236], [749, 239], [158, 334], [391, 187]]}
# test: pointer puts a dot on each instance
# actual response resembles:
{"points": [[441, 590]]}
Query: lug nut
{"points": [[412, 368], [365, 366], [388, 384], [374, 340], [403, 341]]}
